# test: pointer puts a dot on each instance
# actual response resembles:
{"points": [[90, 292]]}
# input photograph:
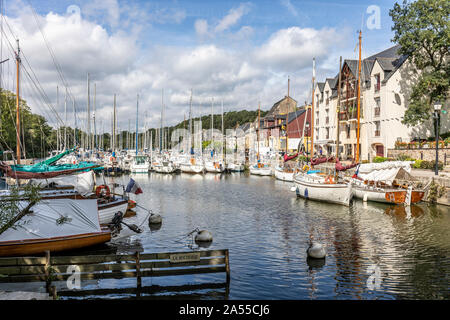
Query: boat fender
{"points": [[316, 251], [155, 219], [204, 236]]}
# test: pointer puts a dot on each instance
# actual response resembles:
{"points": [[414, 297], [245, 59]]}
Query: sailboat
{"points": [[259, 168], [213, 165], [316, 185], [191, 164], [235, 164], [140, 163], [285, 172], [163, 164]]}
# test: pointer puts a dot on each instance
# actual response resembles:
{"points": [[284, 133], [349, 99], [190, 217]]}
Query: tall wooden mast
{"points": [[338, 109], [312, 109], [259, 124], [17, 104], [358, 100]]}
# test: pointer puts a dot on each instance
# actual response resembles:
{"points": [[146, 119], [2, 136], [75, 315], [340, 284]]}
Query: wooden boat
{"points": [[284, 174], [36, 246], [379, 192], [54, 225], [322, 188], [260, 169]]}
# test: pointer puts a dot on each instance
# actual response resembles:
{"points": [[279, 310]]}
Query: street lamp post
{"points": [[437, 109]]}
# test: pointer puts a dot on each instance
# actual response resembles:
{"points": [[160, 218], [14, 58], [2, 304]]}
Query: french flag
{"points": [[133, 187]]}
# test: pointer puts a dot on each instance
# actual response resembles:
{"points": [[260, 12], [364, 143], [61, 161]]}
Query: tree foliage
{"points": [[422, 30]]}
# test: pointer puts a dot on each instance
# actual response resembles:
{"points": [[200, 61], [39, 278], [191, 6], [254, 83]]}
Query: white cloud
{"points": [[293, 48], [201, 27], [233, 16], [239, 75]]}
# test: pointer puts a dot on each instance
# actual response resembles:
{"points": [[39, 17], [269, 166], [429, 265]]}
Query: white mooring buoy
{"points": [[155, 219], [316, 251], [204, 236], [293, 188]]}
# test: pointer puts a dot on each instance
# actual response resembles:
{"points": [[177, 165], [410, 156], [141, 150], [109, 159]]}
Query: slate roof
{"points": [[294, 115]]}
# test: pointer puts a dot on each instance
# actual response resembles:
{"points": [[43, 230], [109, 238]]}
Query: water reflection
{"points": [[267, 230]]}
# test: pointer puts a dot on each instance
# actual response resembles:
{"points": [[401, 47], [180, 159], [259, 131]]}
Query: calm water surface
{"points": [[267, 230]]}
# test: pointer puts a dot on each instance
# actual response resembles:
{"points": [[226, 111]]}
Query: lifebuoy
{"points": [[99, 189]]}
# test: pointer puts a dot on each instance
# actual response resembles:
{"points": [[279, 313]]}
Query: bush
{"points": [[423, 164], [379, 159], [417, 164], [404, 157]]}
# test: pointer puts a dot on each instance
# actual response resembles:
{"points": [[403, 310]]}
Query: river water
{"points": [[374, 251]]}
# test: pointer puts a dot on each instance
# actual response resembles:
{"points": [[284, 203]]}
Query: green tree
{"points": [[422, 30]]}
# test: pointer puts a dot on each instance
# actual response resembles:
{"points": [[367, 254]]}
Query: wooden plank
{"points": [[23, 278], [67, 260], [20, 261], [21, 270], [96, 267], [166, 255], [175, 272], [168, 264]]}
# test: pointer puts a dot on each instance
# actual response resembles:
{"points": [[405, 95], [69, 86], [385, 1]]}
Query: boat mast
{"points": [[212, 126], [287, 115], [17, 104], [259, 123], [88, 115], [137, 113], [358, 100], [94, 138], [161, 125], [190, 123], [75, 124], [312, 109], [114, 127], [338, 108], [65, 121], [223, 138]]}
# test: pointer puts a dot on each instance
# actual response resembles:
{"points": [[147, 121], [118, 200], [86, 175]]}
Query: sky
{"points": [[239, 53]]}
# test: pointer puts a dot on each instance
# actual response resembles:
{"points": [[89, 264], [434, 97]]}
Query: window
{"points": [[377, 83], [377, 128], [348, 131], [377, 108]]}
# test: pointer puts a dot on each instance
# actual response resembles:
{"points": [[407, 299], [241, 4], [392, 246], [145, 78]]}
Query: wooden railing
{"points": [[112, 266]]}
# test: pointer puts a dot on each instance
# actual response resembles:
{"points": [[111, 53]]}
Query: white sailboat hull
{"points": [[283, 175], [214, 168], [233, 167], [164, 169], [139, 168], [338, 193], [265, 171], [189, 168]]}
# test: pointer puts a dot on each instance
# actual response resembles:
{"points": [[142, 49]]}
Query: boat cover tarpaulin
{"points": [[54, 159], [384, 171], [82, 182], [55, 218]]}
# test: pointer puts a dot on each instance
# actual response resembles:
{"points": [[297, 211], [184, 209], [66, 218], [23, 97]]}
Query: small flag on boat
{"points": [[133, 187]]}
